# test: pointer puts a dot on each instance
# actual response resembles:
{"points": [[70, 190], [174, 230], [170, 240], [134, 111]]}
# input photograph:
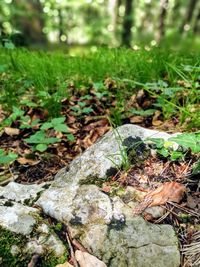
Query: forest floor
{"points": [[53, 107]]}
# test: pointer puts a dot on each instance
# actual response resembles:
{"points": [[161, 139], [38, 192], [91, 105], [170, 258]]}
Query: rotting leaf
{"points": [[169, 191]]}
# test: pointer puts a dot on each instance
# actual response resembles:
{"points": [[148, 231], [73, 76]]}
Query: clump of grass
{"points": [[45, 79]]}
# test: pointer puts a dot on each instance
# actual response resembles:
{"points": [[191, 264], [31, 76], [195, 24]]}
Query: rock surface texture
{"points": [[103, 223]]}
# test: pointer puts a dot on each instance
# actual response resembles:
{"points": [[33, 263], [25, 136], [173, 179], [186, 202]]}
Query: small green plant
{"points": [[196, 169], [144, 113], [165, 148], [41, 141], [7, 158], [17, 113], [58, 125], [186, 141], [81, 108]]}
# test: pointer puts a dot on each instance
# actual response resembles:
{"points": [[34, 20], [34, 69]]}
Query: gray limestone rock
{"points": [[103, 157], [17, 218], [108, 229], [20, 192], [106, 225], [25, 221]]}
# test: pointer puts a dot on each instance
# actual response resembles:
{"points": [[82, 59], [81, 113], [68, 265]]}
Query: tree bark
{"points": [[127, 23], [163, 14], [176, 10], [61, 30], [189, 14], [31, 24], [196, 28]]}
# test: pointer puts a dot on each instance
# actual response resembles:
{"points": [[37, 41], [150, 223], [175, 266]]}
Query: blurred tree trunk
{"points": [[113, 9], [29, 21], [196, 28], [127, 23], [189, 14], [61, 26], [147, 22], [176, 9], [163, 14]]}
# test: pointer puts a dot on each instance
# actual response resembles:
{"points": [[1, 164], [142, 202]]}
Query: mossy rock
{"points": [[11, 241]]}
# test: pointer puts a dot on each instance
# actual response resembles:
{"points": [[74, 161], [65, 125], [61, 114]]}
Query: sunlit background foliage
{"points": [[98, 22]]}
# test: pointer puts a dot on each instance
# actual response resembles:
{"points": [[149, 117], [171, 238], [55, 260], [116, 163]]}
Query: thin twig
{"points": [[185, 209], [79, 246], [163, 217], [71, 250], [34, 260]]}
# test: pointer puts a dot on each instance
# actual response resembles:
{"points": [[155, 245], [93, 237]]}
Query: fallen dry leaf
{"points": [[156, 121], [87, 260], [169, 191], [24, 161], [11, 131], [136, 119], [66, 264]]}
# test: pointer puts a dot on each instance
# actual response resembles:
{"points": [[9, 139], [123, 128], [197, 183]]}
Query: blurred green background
{"points": [[71, 24]]}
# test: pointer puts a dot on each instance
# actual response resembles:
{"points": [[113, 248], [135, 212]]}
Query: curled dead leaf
{"points": [[169, 191]]}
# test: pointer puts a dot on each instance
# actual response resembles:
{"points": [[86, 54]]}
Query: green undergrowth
{"points": [[45, 81], [7, 240], [10, 241]]}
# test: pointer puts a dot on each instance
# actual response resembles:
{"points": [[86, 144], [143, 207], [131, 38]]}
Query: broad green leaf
{"points": [[70, 137], [61, 128], [75, 108], [188, 140], [81, 104], [87, 110], [144, 113], [196, 169], [46, 126], [6, 159], [176, 155], [100, 95], [57, 121], [36, 138], [41, 147], [159, 142], [164, 152], [41, 138], [28, 103], [43, 94], [35, 122], [99, 86], [51, 140], [17, 112]]}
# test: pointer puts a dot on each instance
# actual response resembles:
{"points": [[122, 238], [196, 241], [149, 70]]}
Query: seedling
{"points": [[186, 141], [7, 158], [41, 141], [81, 109], [144, 113], [58, 125]]}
